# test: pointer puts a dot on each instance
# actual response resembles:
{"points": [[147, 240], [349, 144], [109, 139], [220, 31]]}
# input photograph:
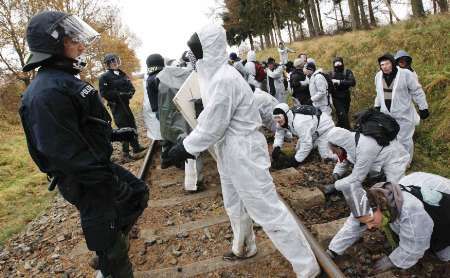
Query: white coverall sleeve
{"points": [[277, 73], [416, 228], [305, 140], [213, 121], [290, 50], [366, 153], [416, 91], [279, 137], [377, 100], [347, 235], [321, 84]]}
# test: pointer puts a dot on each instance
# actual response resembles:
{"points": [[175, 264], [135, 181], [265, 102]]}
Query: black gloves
{"points": [[276, 153], [382, 265], [283, 161], [424, 114], [177, 154], [329, 189], [198, 106], [336, 176], [123, 134], [378, 108]]}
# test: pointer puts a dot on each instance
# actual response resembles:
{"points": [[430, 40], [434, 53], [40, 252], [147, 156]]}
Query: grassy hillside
{"points": [[428, 42], [23, 188]]}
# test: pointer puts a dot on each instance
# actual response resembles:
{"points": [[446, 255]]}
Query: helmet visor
{"points": [[78, 30]]}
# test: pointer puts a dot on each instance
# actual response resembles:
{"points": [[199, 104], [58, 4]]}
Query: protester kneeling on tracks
{"points": [[311, 127], [230, 121], [68, 131], [265, 103], [417, 209]]}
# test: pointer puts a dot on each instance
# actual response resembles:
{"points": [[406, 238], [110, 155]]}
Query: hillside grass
{"points": [[428, 42], [23, 188]]}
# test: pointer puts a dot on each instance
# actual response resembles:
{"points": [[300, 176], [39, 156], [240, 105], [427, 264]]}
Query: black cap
{"points": [[155, 60], [310, 66]]}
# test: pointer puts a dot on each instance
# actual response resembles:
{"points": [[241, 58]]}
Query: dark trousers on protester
{"points": [[342, 107], [108, 211]]}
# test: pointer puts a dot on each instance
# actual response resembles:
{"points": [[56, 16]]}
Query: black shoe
{"points": [[230, 256]]}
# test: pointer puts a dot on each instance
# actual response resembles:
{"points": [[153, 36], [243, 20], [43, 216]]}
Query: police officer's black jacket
{"points": [[67, 127], [117, 89], [347, 80], [296, 77]]}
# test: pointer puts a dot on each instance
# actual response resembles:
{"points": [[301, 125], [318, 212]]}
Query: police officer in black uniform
{"points": [[117, 89], [69, 137]]}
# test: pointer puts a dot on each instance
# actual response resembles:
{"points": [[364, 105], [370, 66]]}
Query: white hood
{"points": [[251, 56], [344, 139], [214, 44]]}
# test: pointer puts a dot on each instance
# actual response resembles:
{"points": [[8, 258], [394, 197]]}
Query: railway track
{"points": [[185, 235]]}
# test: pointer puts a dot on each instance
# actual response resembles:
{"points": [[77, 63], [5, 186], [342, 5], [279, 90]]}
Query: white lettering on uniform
{"points": [[86, 90]]}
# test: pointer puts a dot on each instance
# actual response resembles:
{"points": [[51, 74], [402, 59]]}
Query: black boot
{"points": [[329, 189]]}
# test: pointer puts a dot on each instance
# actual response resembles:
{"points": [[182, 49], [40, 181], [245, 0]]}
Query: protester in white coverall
{"points": [[318, 88], [366, 156], [230, 121], [250, 66], [284, 51], [265, 104], [407, 218], [275, 77], [397, 88], [311, 131]]}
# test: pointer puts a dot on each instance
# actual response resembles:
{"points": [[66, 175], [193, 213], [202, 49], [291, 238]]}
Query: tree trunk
{"points": [[294, 36], [272, 38], [417, 8], [443, 5], [300, 28], [250, 38], [391, 11], [319, 15], [434, 7], [261, 42], [373, 21], [309, 21], [342, 14], [268, 41], [354, 15], [312, 7], [336, 16], [362, 12], [289, 32], [275, 41]]}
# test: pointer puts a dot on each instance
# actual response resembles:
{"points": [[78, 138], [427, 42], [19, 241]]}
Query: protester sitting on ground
{"points": [[300, 84], [275, 79], [396, 89], [309, 125], [284, 51], [318, 88], [417, 209]]}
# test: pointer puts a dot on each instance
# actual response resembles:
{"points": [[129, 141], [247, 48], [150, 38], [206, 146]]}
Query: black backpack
{"points": [[441, 217], [381, 127], [307, 110]]}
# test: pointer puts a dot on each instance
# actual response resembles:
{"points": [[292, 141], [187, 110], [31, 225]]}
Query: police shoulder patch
{"points": [[88, 89]]}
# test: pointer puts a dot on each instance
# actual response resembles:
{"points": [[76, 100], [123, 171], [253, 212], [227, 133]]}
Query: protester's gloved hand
{"points": [[281, 162], [198, 106], [336, 82], [178, 154], [123, 134], [332, 254], [424, 114], [329, 189], [292, 162], [336, 176], [378, 108], [382, 265], [276, 153]]}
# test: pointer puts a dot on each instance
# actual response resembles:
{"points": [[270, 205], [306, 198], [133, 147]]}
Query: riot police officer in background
{"points": [[69, 137], [117, 89]]}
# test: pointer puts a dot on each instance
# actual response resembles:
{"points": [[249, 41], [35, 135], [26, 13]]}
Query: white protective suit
{"points": [[414, 226], [278, 77], [251, 69], [284, 55], [265, 103], [367, 156], [310, 135], [318, 89], [230, 121], [151, 122], [406, 90]]}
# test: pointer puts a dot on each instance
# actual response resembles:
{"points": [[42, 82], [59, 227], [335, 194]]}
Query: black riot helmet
{"points": [[195, 46], [111, 58], [155, 62], [45, 36]]}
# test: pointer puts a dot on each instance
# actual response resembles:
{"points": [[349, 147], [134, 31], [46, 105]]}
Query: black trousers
{"points": [[342, 106]]}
